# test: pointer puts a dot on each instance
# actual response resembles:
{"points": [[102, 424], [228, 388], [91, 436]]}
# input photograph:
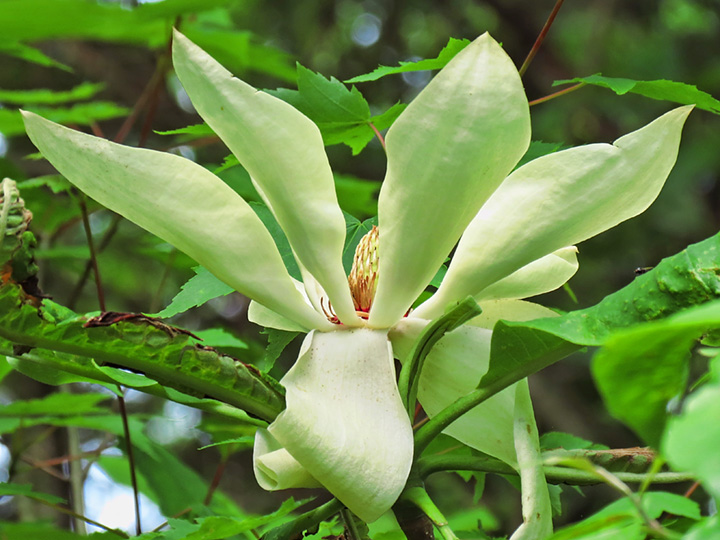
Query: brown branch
{"points": [[540, 38]]}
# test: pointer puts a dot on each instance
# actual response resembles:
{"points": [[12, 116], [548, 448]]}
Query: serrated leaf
{"points": [[200, 288], [664, 90], [50, 97], [448, 52], [342, 114], [278, 340], [196, 130], [32, 55], [59, 404], [160, 352]]}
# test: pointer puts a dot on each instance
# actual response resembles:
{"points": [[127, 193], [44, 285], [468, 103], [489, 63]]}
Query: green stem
{"points": [[555, 475], [352, 530], [449, 414], [76, 474], [305, 521], [420, 498]]}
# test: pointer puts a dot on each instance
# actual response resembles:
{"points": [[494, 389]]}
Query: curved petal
{"points": [[275, 468], [447, 152], [559, 200], [182, 203], [344, 421], [283, 152], [543, 275]]}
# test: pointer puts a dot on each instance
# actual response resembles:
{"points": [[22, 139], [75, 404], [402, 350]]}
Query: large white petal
{"points": [[447, 152], [509, 310], [182, 203], [559, 200], [283, 152], [344, 421]]}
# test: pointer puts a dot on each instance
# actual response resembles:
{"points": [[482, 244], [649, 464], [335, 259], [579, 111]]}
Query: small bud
{"points": [[363, 276]]}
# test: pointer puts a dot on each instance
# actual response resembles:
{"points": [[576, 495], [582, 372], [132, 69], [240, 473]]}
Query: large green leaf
{"points": [[640, 370], [50, 97], [82, 114], [692, 437], [664, 90], [162, 353]]}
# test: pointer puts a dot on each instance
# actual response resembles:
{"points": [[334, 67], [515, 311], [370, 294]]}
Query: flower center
{"points": [[363, 276]]}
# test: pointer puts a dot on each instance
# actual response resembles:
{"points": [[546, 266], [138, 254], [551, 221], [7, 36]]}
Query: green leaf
{"points": [[61, 404], [219, 337], [196, 130], [50, 531], [278, 340], [453, 47], [50, 97], [160, 352], [354, 231], [538, 149], [200, 288], [357, 196], [640, 370], [243, 442], [82, 114], [26, 490], [278, 235], [32, 55], [342, 114], [689, 436], [556, 439], [663, 90]]}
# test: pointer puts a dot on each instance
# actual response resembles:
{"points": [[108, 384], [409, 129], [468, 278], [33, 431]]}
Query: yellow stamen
{"points": [[363, 276]]}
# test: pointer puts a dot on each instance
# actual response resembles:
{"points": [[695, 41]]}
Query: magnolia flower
{"points": [[449, 157]]}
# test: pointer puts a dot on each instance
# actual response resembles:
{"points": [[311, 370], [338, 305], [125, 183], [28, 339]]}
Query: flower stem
{"points": [[305, 521], [420, 498]]}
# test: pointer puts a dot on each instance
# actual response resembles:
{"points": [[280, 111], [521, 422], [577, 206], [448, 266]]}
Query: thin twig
{"points": [[557, 94], [86, 519], [540, 38], [350, 527], [215, 481], [166, 523], [378, 135], [104, 242], [91, 247], [131, 462]]}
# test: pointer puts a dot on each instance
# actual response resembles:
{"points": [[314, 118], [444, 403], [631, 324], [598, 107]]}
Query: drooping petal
{"points": [[182, 203], [543, 275], [283, 152], [559, 200], [344, 421], [275, 468], [536, 507], [267, 318], [447, 152]]}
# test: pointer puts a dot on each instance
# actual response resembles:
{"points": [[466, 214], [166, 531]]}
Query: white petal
{"points": [[559, 200], [283, 152], [447, 152], [543, 275], [182, 203], [344, 421], [275, 468], [267, 318]]}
